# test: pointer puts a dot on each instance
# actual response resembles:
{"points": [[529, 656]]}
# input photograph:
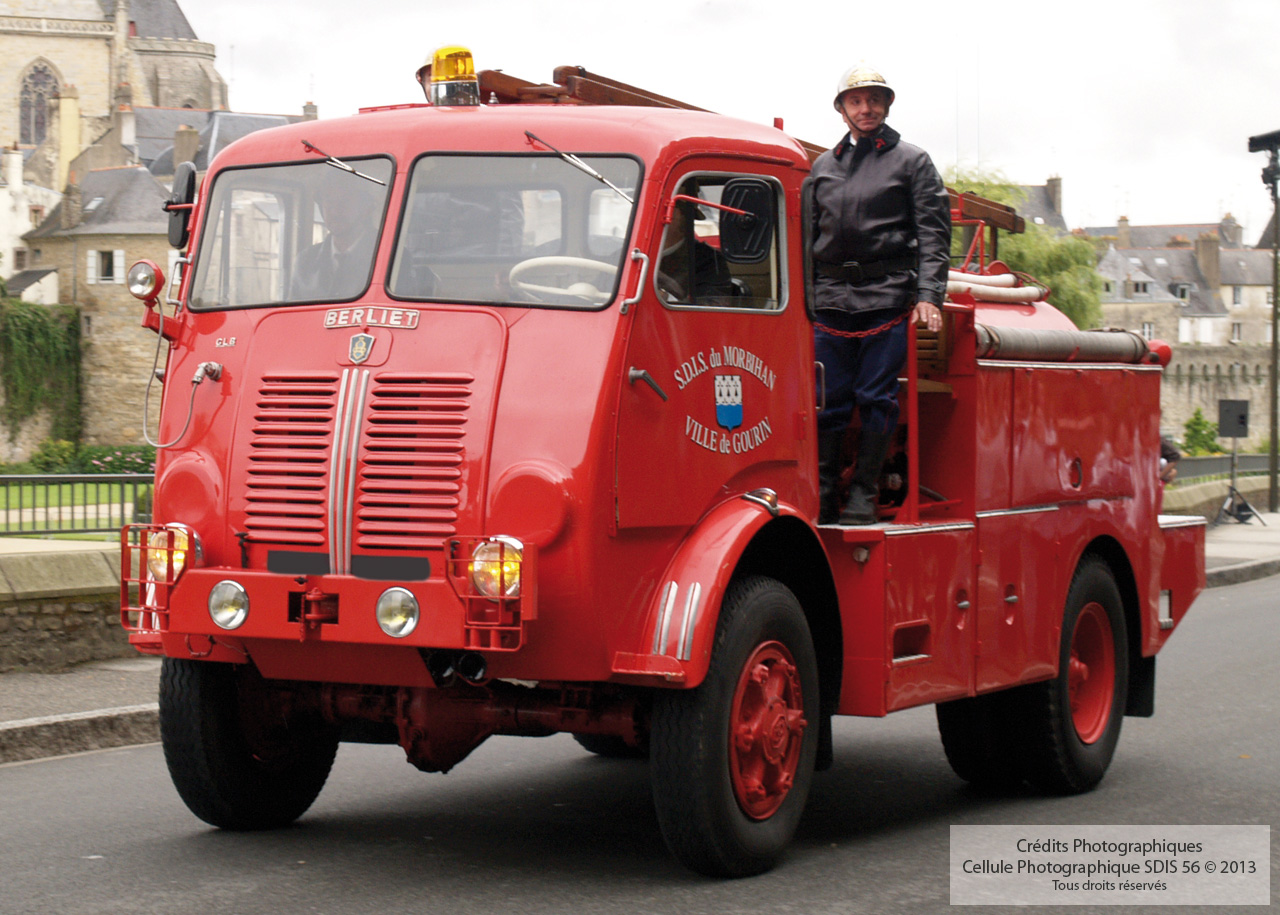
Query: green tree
{"points": [[1199, 435], [1063, 263]]}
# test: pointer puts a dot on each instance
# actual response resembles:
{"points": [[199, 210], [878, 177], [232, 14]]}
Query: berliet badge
{"points": [[361, 347]]}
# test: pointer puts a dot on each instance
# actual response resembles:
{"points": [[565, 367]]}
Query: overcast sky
{"points": [[1143, 107]]}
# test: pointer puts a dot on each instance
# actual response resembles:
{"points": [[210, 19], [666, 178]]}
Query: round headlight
{"points": [[397, 612], [228, 604], [144, 280], [495, 567], [158, 554]]}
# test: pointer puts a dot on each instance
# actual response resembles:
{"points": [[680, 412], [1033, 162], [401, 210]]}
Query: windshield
{"points": [[290, 233], [521, 230]]}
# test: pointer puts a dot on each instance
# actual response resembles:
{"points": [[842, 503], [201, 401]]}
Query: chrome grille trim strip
{"points": [[351, 449], [668, 604], [691, 608], [336, 463]]}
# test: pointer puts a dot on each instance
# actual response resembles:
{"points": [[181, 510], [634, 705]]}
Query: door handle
{"points": [[638, 255], [634, 374]]}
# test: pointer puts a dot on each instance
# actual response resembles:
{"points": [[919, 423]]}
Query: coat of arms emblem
{"points": [[729, 401]]}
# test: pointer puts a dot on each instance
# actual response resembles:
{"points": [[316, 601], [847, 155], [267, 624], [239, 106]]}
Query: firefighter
{"points": [[881, 249]]}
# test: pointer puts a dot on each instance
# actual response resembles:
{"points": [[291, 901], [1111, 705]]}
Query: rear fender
{"points": [[680, 622]]}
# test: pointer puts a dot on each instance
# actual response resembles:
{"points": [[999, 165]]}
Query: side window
{"points": [[692, 270]]}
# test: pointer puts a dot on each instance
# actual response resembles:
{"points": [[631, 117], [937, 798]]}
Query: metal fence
{"points": [[59, 503], [1190, 468]]}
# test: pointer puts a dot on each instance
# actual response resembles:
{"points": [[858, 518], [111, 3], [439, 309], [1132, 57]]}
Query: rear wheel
{"points": [[1073, 721], [977, 735], [732, 760], [239, 759]]}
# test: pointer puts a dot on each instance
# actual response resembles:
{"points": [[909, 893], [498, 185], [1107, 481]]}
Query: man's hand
{"points": [[928, 314]]}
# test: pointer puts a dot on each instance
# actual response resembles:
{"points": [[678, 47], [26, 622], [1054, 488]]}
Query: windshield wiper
{"points": [[581, 166], [338, 163]]}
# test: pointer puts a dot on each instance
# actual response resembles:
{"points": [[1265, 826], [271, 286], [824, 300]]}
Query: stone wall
{"points": [[59, 609], [1200, 376]]}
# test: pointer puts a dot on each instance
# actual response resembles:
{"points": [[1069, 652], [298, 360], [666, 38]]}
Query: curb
{"points": [[57, 735], [1241, 571]]}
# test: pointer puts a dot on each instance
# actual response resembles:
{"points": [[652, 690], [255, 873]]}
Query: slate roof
{"points": [[153, 18], [1165, 269], [1245, 266], [221, 129], [20, 281], [131, 201], [1036, 206], [155, 127], [1228, 231], [1267, 240]]}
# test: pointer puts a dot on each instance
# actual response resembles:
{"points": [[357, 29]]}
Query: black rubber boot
{"points": [[864, 493], [830, 444]]}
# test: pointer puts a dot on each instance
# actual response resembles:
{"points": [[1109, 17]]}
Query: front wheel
{"points": [[239, 759], [732, 760], [1073, 721]]}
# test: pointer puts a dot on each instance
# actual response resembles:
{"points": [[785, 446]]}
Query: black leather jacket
{"points": [[881, 200]]}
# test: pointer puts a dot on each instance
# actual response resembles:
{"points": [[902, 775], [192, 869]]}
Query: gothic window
{"points": [[38, 87]]}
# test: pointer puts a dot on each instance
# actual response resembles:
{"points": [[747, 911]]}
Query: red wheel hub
{"points": [[766, 728], [1091, 672]]}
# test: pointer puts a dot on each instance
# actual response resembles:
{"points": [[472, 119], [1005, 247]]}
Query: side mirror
{"points": [[747, 239], [180, 203]]}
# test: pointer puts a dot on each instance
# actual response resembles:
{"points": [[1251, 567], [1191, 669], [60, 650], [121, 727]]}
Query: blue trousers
{"points": [[860, 371]]}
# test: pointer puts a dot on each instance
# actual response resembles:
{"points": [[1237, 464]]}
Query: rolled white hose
{"points": [[987, 293], [999, 279]]}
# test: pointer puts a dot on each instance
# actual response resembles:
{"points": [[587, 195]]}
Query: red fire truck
{"points": [[496, 416]]}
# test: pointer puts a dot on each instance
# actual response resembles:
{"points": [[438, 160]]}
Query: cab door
{"points": [[713, 401]]}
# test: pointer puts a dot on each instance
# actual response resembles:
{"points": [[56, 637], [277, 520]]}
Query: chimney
{"points": [[1231, 232], [186, 143], [13, 171], [126, 120], [1207, 247], [1122, 233], [1053, 187], [71, 206], [310, 112]]}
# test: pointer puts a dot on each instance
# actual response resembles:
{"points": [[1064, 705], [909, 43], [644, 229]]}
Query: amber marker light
{"points": [[495, 567], [453, 77]]}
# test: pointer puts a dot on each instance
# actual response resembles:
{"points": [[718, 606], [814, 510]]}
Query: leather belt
{"points": [[854, 272]]}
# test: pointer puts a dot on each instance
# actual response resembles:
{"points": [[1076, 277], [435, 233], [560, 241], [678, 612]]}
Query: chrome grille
{"points": [[409, 491], [288, 458]]}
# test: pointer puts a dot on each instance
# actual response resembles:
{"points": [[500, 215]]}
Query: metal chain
{"points": [[858, 334]]}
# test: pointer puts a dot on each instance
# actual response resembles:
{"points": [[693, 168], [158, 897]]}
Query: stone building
{"points": [[1197, 286], [22, 207], [1186, 283], [111, 219], [64, 60]]}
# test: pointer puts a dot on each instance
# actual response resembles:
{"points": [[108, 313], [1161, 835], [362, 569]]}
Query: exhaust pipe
{"points": [[472, 667], [442, 667]]}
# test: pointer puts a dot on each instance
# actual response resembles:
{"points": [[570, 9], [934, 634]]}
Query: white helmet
{"points": [[860, 76]]}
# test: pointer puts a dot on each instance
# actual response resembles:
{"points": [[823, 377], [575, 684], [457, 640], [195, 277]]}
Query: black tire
{"points": [[610, 746], [1066, 751], [979, 740], [236, 765], [704, 822]]}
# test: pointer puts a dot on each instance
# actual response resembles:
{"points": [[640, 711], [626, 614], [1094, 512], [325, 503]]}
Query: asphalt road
{"points": [[531, 826]]}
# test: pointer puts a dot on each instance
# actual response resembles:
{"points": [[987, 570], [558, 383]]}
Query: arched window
{"points": [[38, 87]]}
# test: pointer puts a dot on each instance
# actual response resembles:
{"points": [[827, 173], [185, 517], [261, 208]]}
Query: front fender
{"points": [[680, 622]]}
